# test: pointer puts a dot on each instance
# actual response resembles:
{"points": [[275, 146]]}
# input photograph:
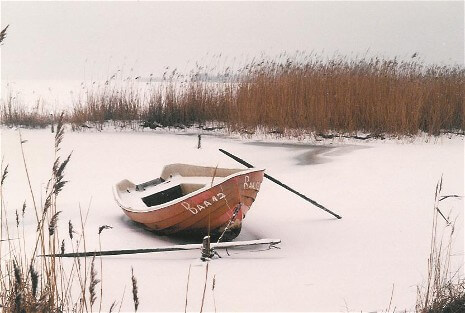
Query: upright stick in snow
{"points": [[274, 180]]}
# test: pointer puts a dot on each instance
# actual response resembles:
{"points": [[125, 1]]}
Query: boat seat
{"points": [[163, 196], [152, 182], [173, 188]]}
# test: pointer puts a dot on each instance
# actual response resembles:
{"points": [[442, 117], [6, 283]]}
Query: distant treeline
{"points": [[291, 96]]}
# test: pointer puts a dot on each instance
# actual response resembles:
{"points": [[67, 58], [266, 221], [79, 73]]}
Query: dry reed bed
{"points": [[294, 96], [13, 112], [29, 280]]}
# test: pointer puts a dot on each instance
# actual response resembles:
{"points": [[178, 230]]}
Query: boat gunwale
{"points": [[183, 198]]}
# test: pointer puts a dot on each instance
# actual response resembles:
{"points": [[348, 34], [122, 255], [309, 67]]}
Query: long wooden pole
{"points": [[274, 180], [220, 245]]}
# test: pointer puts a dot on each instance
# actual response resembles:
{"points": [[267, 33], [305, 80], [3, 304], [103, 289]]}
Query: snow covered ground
{"points": [[384, 191]]}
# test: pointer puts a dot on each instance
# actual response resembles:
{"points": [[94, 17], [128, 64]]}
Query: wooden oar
{"points": [[274, 180], [221, 245]]}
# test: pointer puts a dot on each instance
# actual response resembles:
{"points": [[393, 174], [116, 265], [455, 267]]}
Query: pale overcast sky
{"points": [[67, 40]]}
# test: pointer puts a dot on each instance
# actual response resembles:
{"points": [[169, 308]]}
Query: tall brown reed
{"points": [[36, 284], [14, 112], [444, 290], [289, 95], [29, 280], [374, 96]]}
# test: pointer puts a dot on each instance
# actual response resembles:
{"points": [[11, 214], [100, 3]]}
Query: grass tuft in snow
{"points": [[444, 290]]}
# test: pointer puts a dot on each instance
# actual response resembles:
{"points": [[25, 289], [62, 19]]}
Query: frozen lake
{"points": [[384, 191]]}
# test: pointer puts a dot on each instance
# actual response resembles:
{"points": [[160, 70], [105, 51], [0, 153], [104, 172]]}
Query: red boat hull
{"points": [[209, 211]]}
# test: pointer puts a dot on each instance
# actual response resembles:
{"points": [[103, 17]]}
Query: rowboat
{"points": [[192, 200]]}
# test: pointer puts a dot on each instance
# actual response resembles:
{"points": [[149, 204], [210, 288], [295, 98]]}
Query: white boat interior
{"points": [[176, 181]]}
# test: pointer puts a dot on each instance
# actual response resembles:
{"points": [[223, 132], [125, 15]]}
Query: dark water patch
{"points": [[313, 154], [319, 154], [284, 145]]}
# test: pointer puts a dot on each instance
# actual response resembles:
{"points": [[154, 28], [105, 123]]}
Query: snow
{"points": [[384, 191]]}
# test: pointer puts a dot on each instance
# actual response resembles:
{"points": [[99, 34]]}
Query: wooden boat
{"points": [[192, 200]]}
